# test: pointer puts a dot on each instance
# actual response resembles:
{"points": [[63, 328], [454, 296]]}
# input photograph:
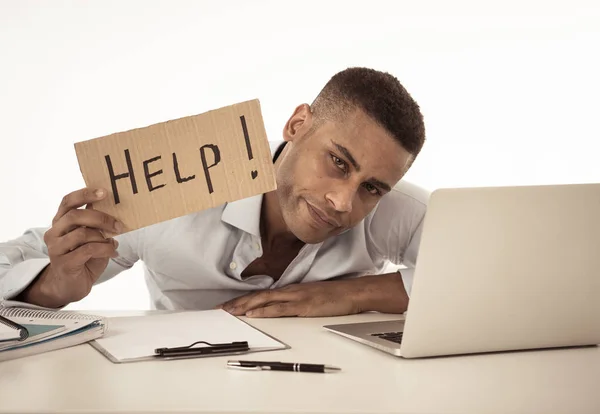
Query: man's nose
{"points": [[342, 198]]}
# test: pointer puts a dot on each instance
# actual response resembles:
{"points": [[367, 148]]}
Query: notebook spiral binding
{"points": [[23, 333], [42, 314]]}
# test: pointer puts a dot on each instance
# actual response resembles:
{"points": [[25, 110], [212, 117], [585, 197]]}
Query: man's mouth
{"points": [[321, 218]]}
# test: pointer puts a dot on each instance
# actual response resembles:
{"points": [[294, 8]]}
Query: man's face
{"points": [[331, 178]]}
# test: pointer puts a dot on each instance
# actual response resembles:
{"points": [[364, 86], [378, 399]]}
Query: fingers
{"points": [[235, 303], [243, 304], [277, 310], [78, 199], [79, 257], [75, 218], [76, 238]]}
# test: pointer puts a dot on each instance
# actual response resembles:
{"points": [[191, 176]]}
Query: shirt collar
{"points": [[244, 214]]}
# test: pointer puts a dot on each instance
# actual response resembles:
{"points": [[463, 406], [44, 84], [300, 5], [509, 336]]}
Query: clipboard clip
{"points": [[211, 349]]}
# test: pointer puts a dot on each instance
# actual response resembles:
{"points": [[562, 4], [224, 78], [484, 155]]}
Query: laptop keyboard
{"points": [[390, 336]]}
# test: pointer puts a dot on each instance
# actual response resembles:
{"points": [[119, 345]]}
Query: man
{"points": [[316, 246]]}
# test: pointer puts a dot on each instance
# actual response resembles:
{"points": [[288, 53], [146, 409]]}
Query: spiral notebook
{"points": [[42, 330]]}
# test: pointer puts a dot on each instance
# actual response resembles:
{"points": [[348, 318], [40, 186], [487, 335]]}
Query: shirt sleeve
{"points": [[395, 227], [22, 260]]}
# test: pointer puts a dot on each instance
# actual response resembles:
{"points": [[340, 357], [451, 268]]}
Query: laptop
{"points": [[499, 269]]}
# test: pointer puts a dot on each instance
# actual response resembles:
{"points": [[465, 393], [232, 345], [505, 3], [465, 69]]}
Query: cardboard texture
{"points": [[178, 167]]}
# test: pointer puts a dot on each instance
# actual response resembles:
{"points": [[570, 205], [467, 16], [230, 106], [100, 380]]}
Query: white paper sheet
{"points": [[134, 338]]}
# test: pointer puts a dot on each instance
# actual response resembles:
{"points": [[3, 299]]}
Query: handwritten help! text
{"points": [[130, 174]]}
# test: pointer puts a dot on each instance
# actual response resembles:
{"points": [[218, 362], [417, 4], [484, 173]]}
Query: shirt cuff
{"points": [[407, 278], [19, 277]]}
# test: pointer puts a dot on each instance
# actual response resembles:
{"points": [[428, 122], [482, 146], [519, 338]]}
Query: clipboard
{"points": [[182, 334]]}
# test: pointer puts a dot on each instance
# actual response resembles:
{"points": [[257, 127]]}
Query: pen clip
{"points": [[245, 368]]}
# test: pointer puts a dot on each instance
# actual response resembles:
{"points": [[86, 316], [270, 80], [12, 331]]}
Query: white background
{"points": [[509, 89]]}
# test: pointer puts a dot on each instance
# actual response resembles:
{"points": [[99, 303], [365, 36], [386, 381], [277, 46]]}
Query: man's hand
{"points": [[77, 248], [383, 293]]}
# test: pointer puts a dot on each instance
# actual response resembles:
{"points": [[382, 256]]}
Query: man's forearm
{"points": [[382, 293]]}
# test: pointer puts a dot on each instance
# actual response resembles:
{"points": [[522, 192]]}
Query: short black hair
{"points": [[378, 94]]}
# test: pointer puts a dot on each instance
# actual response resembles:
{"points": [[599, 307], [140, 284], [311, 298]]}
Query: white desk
{"points": [[80, 379]]}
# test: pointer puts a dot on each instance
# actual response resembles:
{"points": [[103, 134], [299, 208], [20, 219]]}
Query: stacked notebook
{"points": [[27, 330]]}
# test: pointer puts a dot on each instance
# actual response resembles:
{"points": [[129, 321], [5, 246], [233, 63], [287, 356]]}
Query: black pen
{"points": [[281, 366]]}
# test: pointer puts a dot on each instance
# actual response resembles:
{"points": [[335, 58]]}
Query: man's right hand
{"points": [[78, 250]]}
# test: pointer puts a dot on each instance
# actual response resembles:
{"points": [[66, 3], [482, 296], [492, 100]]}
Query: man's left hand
{"points": [[330, 298], [380, 293]]}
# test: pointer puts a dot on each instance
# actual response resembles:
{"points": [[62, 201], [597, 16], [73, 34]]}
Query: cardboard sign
{"points": [[181, 166]]}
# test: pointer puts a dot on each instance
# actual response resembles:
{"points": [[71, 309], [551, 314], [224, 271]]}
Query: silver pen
{"points": [[281, 366]]}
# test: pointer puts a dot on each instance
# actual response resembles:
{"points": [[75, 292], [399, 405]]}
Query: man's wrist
{"points": [[25, 295], [382, 293], [37, 292]]}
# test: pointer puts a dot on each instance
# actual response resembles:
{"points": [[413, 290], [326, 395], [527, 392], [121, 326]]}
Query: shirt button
{"points": [[232, 265], [257, 246]]}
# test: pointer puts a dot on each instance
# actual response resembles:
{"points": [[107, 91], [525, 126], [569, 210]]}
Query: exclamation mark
{"points": [[253, 173]]}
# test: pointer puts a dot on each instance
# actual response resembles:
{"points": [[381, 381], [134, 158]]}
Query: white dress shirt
{"points": [[196, 261]]}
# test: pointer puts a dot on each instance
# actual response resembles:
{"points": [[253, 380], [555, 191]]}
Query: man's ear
{"points": [[299, 123]]}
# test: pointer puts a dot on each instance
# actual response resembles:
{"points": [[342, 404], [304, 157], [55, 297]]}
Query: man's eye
{"points": [[372, 189], [339, 163]]}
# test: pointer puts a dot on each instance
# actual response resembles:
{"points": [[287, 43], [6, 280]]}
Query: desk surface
{"points": [[80, 379]]}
